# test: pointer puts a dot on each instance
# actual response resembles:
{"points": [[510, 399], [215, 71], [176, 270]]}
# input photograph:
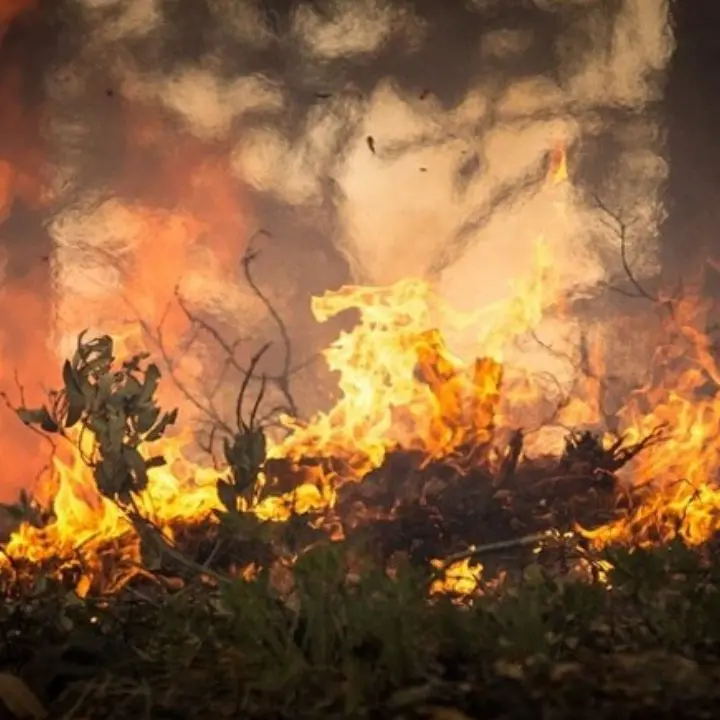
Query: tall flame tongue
{"points": [[400, 384]]}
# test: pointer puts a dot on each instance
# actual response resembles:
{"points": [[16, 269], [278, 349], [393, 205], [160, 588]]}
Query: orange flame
{"points": [[401, 386], [679, 476]]}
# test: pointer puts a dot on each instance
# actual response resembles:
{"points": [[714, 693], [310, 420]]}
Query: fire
{"points": [[460, 579], [679, 476], [87, 524], [402, 386], [399, 383]]}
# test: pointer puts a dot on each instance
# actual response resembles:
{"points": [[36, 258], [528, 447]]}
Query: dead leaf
{"points": [[19, 699], [173, 583], [446, 713]]}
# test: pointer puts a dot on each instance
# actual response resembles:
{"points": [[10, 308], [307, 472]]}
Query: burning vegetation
{"points": [[430, 486], [481, 518]]}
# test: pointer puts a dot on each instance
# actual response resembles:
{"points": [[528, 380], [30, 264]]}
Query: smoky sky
{"points": [[371, 140], [290, 92]]}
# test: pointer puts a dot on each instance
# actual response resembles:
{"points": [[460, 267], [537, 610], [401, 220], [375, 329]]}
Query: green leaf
{"points": [[38, 416], [130, 389], [97, 425], [108, 478], [80, 351], [165, 421], [74, 413], [258, 448], [115, 431], [155, 461], [69, 377], [76, 397], [16, 512], [99, 366], [103, 346], [226, 495], [244, 479], [228, 452], [104, 390], [136, 464], [146, 417], [78, 393], [152, 376]]}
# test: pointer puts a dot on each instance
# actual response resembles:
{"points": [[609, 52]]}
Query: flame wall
{"points": [[373, 139]]}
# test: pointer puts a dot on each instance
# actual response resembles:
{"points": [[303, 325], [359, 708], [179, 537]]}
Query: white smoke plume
{"points": [[361, 174]]}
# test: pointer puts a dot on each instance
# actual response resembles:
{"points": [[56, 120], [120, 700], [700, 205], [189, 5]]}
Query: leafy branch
{"points": [[116, 406]]}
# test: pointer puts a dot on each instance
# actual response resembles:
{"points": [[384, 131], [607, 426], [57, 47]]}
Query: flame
{"points": [[678, 477], [460, 579], [558, 168], [401, 386]]}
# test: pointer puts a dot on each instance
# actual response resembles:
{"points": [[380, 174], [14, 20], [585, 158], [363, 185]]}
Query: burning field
{"points": [[433, 485], [479, 476]]}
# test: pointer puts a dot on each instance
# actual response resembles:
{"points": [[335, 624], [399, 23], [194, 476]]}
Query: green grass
{"points": [[376, 647]]}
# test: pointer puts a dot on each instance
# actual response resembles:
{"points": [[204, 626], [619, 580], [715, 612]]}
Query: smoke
{"points": [[374, 140]]}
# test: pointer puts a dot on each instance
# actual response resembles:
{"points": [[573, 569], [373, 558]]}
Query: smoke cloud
{"points": [[373, 140]]}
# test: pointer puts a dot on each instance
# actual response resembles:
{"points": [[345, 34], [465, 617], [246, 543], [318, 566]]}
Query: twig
{"points": [[244, 386], [157, 336], [283, 379], [493, 547], [14, 409], [620, 228]]}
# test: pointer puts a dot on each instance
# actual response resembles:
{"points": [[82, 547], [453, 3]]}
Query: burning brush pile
{"points": [[432, 486]]}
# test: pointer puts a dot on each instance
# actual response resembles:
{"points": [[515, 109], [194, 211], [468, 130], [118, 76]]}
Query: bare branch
{"points": [[620, 227], [243, 389], [283, 379]]}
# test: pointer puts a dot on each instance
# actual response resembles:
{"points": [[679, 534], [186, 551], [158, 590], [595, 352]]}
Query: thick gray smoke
{"points": [[373, 139]]}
